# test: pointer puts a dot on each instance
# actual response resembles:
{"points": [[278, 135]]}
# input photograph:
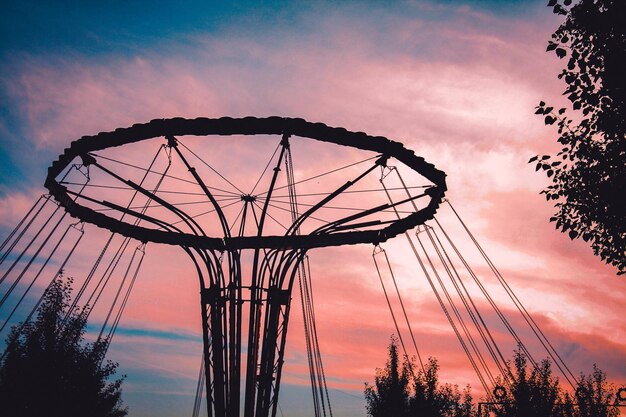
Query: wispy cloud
{"points": [[455, 83]]}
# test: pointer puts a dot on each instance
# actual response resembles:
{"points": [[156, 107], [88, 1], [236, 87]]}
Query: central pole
{"points": [[269, 300]]}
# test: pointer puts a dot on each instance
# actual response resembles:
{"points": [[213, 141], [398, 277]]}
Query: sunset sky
{"points": [[455, 81]]}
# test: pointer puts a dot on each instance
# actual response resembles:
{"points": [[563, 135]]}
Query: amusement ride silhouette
{"points": [[159, 183]]}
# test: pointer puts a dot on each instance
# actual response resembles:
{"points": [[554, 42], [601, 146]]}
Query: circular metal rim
{"points": [[621, 395], [246, 126], [499, 392]]}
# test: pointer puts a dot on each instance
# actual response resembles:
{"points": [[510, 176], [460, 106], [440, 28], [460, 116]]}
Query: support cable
{"points": [[195, 216], [149, 171], [119, 187], [211, 168], [370, 190], [324, 174], [357, 209], [326, 222], [265, 169]]}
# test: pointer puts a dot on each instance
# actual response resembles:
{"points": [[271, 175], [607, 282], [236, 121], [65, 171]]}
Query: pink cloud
{"points": [[465, 104]]}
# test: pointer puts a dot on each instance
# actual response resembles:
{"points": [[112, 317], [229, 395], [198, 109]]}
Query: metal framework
{"points": [[238, 368]]}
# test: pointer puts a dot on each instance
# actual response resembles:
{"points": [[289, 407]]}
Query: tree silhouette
{"points": [[589, 172], [593, 395], [533, 393], [49, 370], [398, 393], [389, 397], [536, 393], [430, 399]]}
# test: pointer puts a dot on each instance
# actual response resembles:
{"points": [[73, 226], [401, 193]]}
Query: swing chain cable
{"points": [[305, 312], [473, 310], [455, 310], [319, 386], [381, 180], [440, 300], [140, 248], [97, 292], [197, 403], [45, 198], [448, 270], [30, 243], [41, 298], [451, 321], [314, 387], [59, 272], [317, 359], [406, 318], [315, 338], [545, 342], [377, 250], [43, 266], [502, 364], [117, 256], [493, 304], [37, 252], [117, 294]]}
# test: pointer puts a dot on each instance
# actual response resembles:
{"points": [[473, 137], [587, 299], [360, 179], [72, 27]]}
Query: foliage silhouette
{"points": [[589, 172], [431, 399], [389, 397], [399, 393], [537, 393], [533, 392], [592, 396], [49, 370]]}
